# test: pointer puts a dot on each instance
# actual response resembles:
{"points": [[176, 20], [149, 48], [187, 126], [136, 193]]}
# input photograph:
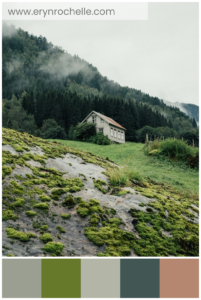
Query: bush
{"points": [[100, 139], [51, 130], [189, 136], [55, 133], [174, 149], [84, 131], [158, 132]]}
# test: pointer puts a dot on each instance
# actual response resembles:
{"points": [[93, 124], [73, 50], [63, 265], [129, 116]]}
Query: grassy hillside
{"points": [[75, 203], [131, 156]]}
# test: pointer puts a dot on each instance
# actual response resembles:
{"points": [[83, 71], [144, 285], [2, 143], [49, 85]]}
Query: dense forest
{"points": [[42, 82]]}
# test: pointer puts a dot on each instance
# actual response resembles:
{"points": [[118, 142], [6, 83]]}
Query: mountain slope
{"points": [[49, 83], [191, 110]]}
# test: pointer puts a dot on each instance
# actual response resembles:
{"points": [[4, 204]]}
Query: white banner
{"points": [[74, 11]]}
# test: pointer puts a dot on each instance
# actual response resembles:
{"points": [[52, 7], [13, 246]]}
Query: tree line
{"points": [[42, 82]]}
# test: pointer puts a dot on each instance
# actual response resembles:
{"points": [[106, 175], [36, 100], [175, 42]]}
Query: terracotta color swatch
{"points": [[61, 278], [179, 278]]}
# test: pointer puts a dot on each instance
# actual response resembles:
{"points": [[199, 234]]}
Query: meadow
{"points": [[131, 157]]}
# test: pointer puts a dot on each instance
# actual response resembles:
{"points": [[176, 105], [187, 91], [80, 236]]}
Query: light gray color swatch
{"points": [[21, 278], [100, 278]]}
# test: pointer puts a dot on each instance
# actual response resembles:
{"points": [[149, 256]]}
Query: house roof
{"points": [[107, 119], [111, 121]]}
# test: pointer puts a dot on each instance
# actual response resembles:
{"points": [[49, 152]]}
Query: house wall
{"points": [[107, 129]]}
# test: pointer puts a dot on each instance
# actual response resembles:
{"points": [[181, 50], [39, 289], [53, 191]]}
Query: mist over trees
{"points": [[42, 82]]}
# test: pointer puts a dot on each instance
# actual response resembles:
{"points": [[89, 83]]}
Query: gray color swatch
{"points": [[21, 278], [100, 278]]}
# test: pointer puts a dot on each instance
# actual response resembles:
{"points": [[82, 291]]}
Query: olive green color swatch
{"points": [[100, 278], [139, 278], [61, 278], [21, 278]]}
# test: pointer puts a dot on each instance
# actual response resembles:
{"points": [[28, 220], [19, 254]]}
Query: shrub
{"points": [[100, 139], [85, 131], [55, 133], [174, 149], [188, 136], [51, 130]]}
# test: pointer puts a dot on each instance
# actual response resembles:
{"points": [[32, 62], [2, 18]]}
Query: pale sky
{"points": [[158, 56]]}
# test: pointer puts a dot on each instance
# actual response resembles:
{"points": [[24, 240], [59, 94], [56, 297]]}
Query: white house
{"points": [[107, 126]]}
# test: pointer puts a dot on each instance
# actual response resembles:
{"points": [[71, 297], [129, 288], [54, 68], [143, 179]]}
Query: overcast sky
{"points": [[159, 56]]}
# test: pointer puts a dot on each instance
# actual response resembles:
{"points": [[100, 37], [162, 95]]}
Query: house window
{"points": [[111, 130], [115, 133], [100, 130], [101, 120], [119, 135], [122, 135], [94, 119]]}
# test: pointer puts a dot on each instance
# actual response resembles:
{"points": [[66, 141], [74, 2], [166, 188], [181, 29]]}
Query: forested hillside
{"points": [[42, 81]]}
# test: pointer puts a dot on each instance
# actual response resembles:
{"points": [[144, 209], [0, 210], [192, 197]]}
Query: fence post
{"points": [[193, 143], [147, 138]]}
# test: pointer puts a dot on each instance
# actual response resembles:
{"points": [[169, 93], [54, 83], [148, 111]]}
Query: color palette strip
{"points": [[100, 278]]}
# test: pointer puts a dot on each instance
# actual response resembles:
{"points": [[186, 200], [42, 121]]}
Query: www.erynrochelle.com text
{"points": [[61, 12]]}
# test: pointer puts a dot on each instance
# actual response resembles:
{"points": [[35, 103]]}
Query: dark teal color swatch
{"points": [[139, 278]]}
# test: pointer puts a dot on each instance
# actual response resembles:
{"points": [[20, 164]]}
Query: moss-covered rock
{"points": [[22, 236], [30, 213], [100, 184], [54, 248], [61, 229], [44, 227], [41, 206], [19, 202], [69, 201], [65, 216], [6, 170], [8, 215], [46, 237], [44, 198]]}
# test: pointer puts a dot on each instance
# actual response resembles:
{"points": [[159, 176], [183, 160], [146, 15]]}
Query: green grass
{"points": [[131, 156]]}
